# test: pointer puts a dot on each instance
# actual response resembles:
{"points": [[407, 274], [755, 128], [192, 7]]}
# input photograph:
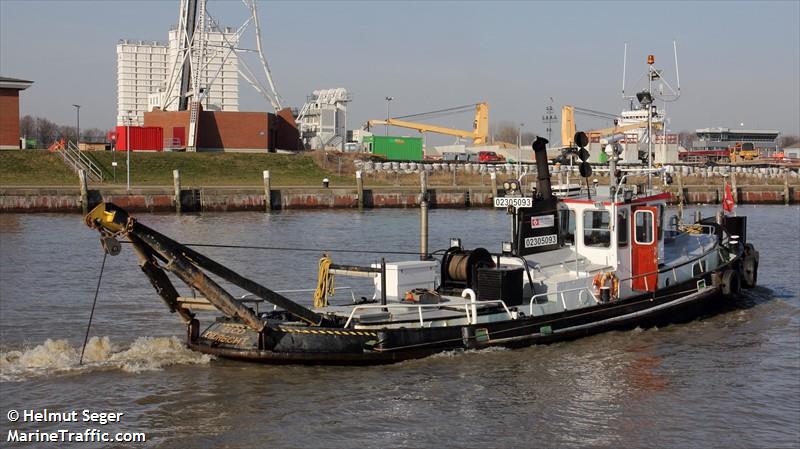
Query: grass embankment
{"points": [[38, 168], [41, 168]]}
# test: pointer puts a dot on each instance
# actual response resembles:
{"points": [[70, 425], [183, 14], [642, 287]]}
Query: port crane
{"points": [[480, 126]]}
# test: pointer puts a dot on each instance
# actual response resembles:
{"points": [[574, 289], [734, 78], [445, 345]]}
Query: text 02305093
{"points": [[542, 240], [505, 201]]}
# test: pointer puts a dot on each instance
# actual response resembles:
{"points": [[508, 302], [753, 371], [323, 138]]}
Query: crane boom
{"points": [[479, 133]]}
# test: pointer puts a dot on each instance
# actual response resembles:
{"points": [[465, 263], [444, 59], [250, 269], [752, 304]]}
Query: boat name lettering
{"points": [[506, 201], [222, 338], [542, 240], [542, 221]]}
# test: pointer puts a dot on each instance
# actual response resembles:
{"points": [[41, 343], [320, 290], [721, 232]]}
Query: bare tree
{"points": [[788, 141], [46, 131], [528, 138], [505, 131], [68, 132], [27, 127], [94, 135]]}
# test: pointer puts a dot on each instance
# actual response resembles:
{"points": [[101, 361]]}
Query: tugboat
{"points": [[600, 261]]}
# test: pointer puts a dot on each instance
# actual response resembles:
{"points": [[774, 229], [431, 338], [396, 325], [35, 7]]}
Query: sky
{"points": [[739, 61]]}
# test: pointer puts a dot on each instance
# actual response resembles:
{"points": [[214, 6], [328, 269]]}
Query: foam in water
{"points": [[60, 357]]}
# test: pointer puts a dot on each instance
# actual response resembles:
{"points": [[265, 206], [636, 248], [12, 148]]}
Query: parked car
{"points": [[489, 156]]}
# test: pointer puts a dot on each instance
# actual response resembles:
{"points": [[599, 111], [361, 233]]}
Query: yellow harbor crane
{"points": [[479, 133]]}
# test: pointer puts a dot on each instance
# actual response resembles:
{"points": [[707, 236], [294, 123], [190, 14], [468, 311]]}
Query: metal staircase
{"points": [[76, 160]]}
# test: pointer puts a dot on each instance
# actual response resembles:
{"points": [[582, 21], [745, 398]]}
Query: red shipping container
{"points": [[143, 138]]}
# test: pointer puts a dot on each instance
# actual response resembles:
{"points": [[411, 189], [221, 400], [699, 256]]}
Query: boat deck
{"points": [[684, 247]]}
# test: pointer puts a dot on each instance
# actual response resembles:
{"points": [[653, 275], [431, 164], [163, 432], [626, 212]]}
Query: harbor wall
{"points": [[162, 199]]}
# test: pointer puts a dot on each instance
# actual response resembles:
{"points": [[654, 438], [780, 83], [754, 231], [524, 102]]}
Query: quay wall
{"points": [[162, 199]]}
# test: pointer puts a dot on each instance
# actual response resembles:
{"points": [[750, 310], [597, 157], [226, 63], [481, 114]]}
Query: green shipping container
{"points": [[395, 148]]}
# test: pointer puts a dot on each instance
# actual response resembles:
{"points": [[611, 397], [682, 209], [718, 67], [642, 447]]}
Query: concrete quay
{"points": [[163, 199]]}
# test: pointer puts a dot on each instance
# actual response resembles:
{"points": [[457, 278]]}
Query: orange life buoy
{"points": [[600, 280]]}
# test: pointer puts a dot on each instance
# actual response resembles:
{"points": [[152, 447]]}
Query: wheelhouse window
{"points": [[644, 227], [596, 229], [622, 228], [566, 219]]}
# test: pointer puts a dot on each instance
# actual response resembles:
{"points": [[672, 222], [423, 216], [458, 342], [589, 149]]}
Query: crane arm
{"points": [[479, 134], [422, 127]]}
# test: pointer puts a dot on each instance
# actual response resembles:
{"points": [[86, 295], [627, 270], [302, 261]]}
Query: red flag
{"points": [[727, 203]]}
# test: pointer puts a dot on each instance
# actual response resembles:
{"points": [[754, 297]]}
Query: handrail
{"points": [[419, 308], [72, 156]]}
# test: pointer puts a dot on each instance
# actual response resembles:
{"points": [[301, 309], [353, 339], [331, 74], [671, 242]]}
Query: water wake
{"points": [[60, 357]]}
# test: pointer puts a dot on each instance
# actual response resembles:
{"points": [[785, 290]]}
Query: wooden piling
{"points": [[734, 190], [360, 187], [423, 216], [267, 191], [493, 177], [787, 199], [681, 198], [176, 182], [84, 191]]}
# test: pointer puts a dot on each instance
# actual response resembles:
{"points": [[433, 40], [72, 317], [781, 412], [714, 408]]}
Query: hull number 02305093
{"points": [[542, 240], [506, 201]]}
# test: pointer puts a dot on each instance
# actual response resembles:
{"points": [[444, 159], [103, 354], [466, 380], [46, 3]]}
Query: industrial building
{"points": [[9, 111], [229, 131], [710, 139], [323, 119], [145, 77], [188, 89]]}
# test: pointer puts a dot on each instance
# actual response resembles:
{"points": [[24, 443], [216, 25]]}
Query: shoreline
{"points": [[220, 199]]}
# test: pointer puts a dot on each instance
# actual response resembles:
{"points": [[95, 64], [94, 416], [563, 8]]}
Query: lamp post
{"points": [[128, 149], [78, 126], [519, 148], [388, 101]]}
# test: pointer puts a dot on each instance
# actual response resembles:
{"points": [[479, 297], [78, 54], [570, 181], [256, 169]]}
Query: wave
{"points": [[60, 357]]}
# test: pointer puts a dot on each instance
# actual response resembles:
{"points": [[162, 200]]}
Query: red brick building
{"points": [[230, 131], [9, 111]]}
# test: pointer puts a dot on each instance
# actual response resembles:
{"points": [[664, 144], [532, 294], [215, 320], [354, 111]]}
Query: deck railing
{"points": [[470, 309]]}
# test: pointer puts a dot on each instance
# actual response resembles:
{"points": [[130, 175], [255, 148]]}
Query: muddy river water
{"points": [[731, 380]]}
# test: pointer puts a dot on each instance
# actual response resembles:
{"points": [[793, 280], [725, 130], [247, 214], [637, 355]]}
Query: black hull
{"points": [[329, 346]]}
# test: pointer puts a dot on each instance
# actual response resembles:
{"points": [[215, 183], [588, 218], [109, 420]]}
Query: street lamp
{"points": [[519, 147], [78, 133], [388, 100], [128, 148]]}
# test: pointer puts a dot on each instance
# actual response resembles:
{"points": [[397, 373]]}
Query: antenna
{"points": [[624, 66], [677, 73]]}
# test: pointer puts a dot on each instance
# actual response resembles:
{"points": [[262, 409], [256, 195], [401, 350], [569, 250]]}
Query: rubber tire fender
{"points": [[731, 283], [749, 272]]}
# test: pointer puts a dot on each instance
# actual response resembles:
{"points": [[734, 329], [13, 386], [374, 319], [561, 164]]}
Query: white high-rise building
{"points": [[141, 69], [144, 70]]}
